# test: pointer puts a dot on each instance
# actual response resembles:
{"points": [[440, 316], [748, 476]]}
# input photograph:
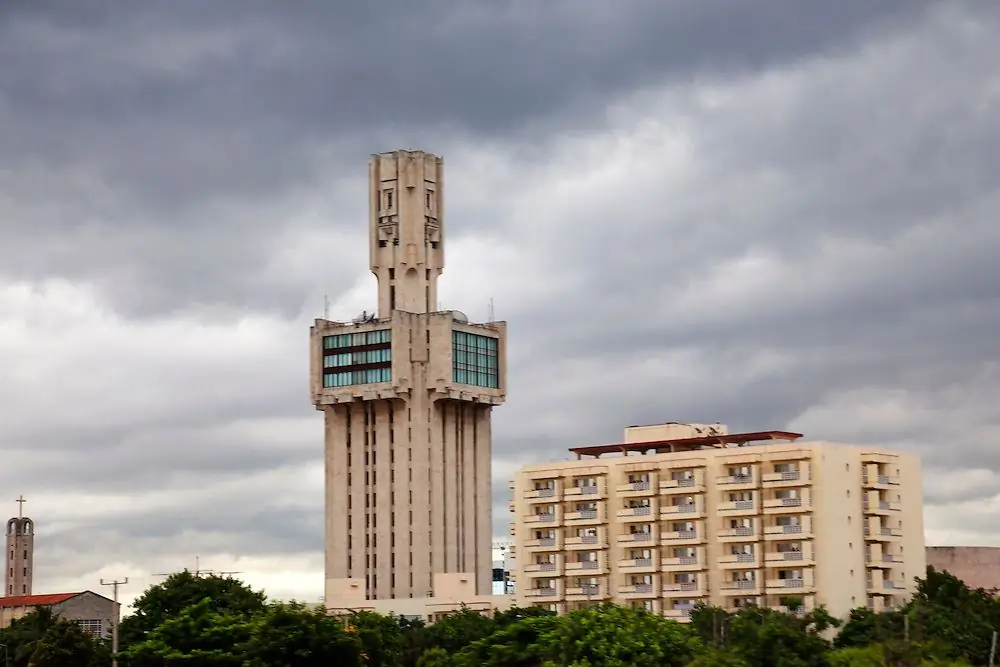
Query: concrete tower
{"points": [[407, 396], [20, 553]]}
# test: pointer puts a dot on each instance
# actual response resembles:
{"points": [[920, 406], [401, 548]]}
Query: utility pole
{"points": [[114, 583]]}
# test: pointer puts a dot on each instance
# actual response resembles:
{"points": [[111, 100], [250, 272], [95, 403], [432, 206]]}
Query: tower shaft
{"points": [[20, 556]]}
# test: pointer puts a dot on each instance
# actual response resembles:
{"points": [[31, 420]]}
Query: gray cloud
{"points": [[772, 216]]}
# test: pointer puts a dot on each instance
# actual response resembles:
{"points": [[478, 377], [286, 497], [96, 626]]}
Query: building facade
{"points": [[407, 395], [690, 513], [20, 555], [978, 567], [94, 613]]}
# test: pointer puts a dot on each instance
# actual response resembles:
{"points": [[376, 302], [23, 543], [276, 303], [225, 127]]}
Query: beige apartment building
{"points": [[407, 395], [680, 514]]}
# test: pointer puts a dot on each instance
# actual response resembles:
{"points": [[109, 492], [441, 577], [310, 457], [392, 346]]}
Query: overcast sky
{"points": [[773, 214]]}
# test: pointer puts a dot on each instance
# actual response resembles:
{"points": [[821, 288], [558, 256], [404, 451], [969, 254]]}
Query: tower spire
{"points": [[20, 506]]}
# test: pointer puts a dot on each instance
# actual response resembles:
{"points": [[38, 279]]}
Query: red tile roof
{"points": [[36, 600]]}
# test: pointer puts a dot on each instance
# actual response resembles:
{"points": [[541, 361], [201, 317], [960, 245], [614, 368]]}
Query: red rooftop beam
{"points": [[686, 444]]}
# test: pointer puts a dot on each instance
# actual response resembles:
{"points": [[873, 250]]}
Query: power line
{"points": [[114, 583]]}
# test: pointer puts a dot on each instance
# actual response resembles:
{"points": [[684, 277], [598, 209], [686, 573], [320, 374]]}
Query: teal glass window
{"points": [[357, 339], [357, 358], [348, 378], [475, 359]]}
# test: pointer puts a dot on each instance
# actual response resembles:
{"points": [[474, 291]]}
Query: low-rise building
{"points": [[978, 567], [680, 514], [451, 592], [95, 613]]}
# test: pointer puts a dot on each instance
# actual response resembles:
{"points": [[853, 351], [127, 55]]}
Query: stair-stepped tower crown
{"points": [[406, 229]]}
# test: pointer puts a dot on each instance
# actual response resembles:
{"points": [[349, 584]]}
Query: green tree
{"points": [[383, 639], [456, 631], [767, 638], [181, 590], [292, 636], [953, 620], [198, 636], [515, 643], [611, 636]]}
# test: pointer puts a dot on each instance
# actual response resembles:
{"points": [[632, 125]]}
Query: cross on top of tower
{"points": [[20, 506]]}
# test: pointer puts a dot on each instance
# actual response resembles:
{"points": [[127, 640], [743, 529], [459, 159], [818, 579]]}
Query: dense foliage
{"points": [[214, 622]]}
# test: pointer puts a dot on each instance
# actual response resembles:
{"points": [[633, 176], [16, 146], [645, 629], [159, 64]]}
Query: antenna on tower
{"points": [[326, 307], [491, 313]]}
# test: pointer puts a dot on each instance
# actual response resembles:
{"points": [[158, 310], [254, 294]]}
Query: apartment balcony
{"points": [[628, 514], [730, 561], [736, 482], [786, 505], [780, 558], [731, 606], [684, 589], [579, 568], [542, 495], [788, 586], [785, 532], [550, 569], [737, 508], [638, 489], [586, 492], [643, 590], [586, 592], [680, 613], [880, 482], [679, 538], [740, 588], [690, 486], [683, 563], [682, 512], [887, 587], [545, 518], [787, 478], [638, 538], [545, 544], [637, 565], [550, 593], [584, 517], [881, 507], [799, 612], [577, 542], [882, 534], [738, 534]]}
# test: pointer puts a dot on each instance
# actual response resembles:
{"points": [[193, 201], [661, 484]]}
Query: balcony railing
{"points": [[735, 479], [681, 535], [543, 592], [786, 529], [640, 486], [739, 585], [636, 511]]}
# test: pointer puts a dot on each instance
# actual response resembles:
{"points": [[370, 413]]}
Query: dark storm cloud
{"points": [[154, 135]]}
